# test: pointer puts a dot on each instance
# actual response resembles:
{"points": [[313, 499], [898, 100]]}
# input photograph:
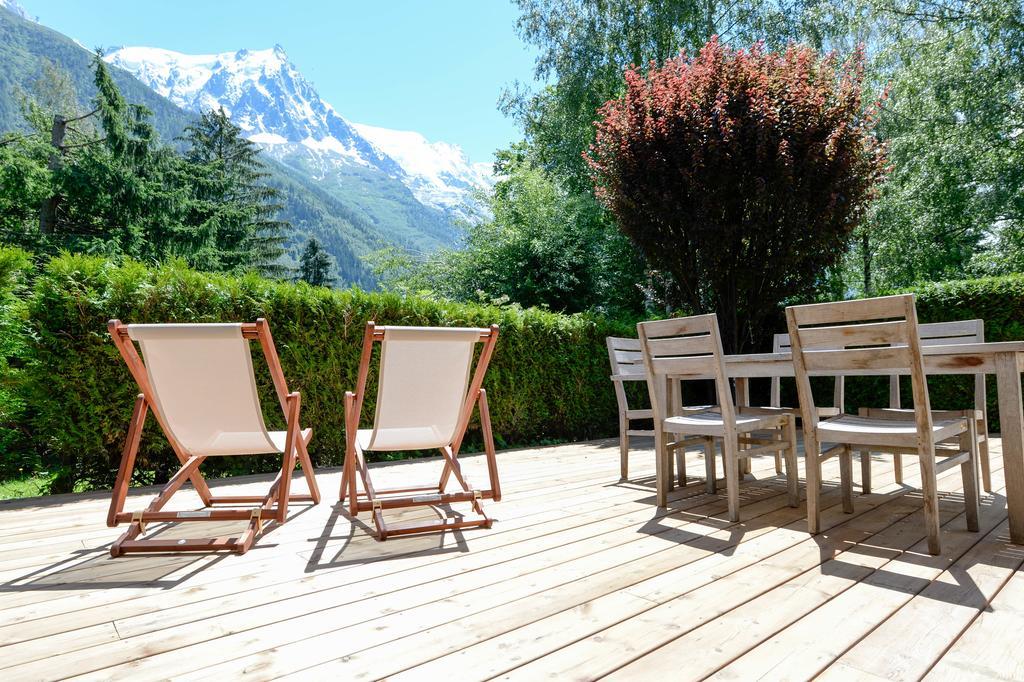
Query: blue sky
{"points": [[434, 66]]}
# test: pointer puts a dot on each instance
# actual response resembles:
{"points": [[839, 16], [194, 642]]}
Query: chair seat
{"points": [[278, 438], [853, 430], [710, 423]]}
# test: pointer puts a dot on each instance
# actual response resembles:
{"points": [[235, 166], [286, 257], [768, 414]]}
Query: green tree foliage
{"points": [[741, 173], [232, 208], [316, 265], [953, 204], [585, 46], [544, 246], [100, 181]]}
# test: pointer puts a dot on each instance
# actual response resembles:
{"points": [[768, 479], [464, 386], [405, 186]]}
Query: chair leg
{"points": [[778, 463], [681, 467], [865, 472], [897, 464], [663, 468], [812, 463], [985, 466], [792, 471], [623, 449], [969, 472], [930, 492], [711, 482], [846, 478], [730, 450]]}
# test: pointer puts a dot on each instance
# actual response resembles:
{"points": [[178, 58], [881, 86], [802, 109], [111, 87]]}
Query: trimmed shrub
{"points": [[548, 380]]}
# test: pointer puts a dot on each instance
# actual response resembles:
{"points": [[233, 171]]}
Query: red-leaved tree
{"points": [[741, 173]]}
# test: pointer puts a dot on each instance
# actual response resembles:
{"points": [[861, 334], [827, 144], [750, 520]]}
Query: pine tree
{"points": [[234, 211], [316, 265]]}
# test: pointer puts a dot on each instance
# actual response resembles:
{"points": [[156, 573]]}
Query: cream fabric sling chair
{"points": [[425, 398], [872, 335], [198, 380]]}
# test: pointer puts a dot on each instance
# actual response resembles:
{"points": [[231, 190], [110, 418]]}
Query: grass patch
{"points": [[32, 486]]}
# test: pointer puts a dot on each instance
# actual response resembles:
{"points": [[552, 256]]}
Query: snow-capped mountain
{"points": [[13, 6], [280, 110]]}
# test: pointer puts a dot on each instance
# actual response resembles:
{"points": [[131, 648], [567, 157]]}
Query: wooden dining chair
{"points": [[198, 381], [426, 394], [876, 335], [690, 348], [627, 365], [942, 334]]}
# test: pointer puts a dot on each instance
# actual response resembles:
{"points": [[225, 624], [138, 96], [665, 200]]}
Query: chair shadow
{"points": [[334, 546], [839, 545], [961, 590], [94, 568]]}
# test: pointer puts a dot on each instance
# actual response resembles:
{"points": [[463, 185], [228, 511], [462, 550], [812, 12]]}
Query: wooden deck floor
{"points": [[581, 577]]}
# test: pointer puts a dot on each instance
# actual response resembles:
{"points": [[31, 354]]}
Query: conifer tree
{"points": [[316, 265], [233, 210]]}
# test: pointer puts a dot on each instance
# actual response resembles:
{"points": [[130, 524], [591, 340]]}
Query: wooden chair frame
{"points": [[627, 365], [691, 348], [272, 506], [376, 501], [875, 334]]}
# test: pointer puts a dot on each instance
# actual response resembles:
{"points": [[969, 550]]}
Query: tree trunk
{"points": [[866, 256], [48, 209]]}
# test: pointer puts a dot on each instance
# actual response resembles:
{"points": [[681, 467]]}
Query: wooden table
{"points": [[1005, 359]]}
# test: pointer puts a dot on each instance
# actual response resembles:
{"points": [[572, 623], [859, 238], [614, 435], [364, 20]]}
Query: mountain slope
{"points": [[26, 45], [278, 108]]}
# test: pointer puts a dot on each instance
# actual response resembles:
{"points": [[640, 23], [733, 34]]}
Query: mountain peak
{"points": [[13, 6], [276, 107]]}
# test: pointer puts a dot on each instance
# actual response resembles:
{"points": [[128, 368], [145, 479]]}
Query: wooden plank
{"points": [[990, 648], [300, 611], [815, 595], [881, 308], [800, 649], [606, 651], [681, 345], [844, 336], [1011, 422], [934, 618], [679, 326]]}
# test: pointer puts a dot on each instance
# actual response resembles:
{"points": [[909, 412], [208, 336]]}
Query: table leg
{"points": [[1011, 427]]}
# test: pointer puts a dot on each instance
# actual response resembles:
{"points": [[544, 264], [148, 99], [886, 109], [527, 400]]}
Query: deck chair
{"points": [[198, 380], [425, 398], [939, 334]]}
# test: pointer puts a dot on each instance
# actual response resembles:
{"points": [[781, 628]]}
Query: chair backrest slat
{"points": [[781, 344], [851, 335], [204, 388], [625, 357], [865, 309]]}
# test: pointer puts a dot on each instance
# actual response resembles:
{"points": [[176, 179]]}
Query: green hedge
{"points": [[548, 380], [65, 395]]}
